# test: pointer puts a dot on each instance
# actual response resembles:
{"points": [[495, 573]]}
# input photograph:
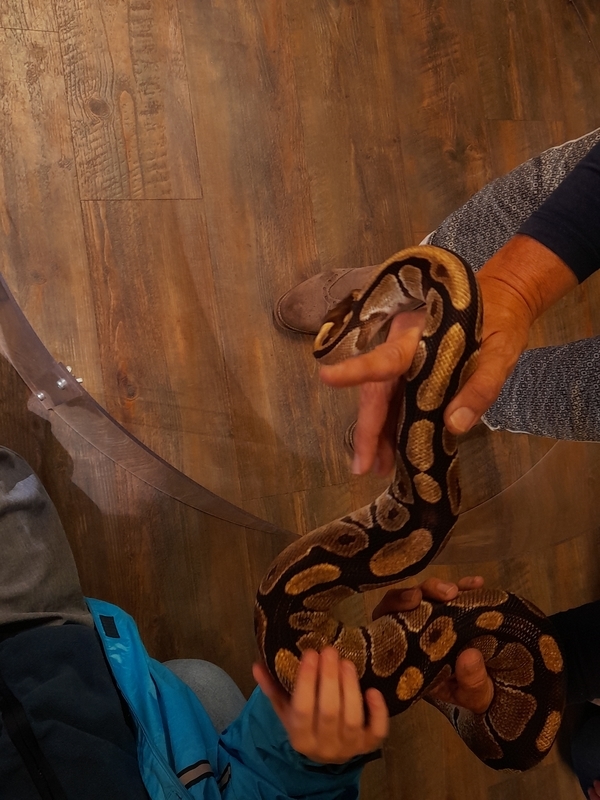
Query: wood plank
{"points": [[42, 248], [128, 99], [27, 15], [160, 334], [260, 230], [516, 58], [576, 27], [439, 103], [352, 131]]}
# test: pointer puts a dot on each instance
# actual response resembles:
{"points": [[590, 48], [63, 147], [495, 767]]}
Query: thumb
{"points": [[475, 688], [497, 358]]}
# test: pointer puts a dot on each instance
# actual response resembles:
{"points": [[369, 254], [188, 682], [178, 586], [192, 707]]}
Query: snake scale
{"points": [[399, 533]]}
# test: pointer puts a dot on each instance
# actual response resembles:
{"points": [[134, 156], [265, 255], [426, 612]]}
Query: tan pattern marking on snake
{"points": [[396, 556], [468, 369], [286, 666], [389, 514], [307, 620], [417, 363], [488, 597], [438, 638], [313, 576], [322, 601], [343, 539], [415, 620], [427, 487], [511, 711], [449, 442], [491, 620], [351, 644], [456, 282], [388, 645], [514, 665], [419, 448], [319, 638], [546, 738], [551, 654], [403, 485], [410, 683], [431, 392], [436, 313], [413, 280], [487, 645], [286, 559]]}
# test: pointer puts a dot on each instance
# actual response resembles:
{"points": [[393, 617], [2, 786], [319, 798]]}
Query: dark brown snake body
{"points": [[400, 532]]}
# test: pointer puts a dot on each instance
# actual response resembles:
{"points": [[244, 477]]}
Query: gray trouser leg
{"points": [[38, 577], [220, 696], [553, 391]]}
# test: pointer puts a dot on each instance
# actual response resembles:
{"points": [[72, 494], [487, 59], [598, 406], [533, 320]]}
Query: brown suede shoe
{"points": [[303, 308]]}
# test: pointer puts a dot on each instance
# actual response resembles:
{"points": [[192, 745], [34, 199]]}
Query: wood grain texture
{"points": [[168, 170], [260, 233], [352, 130], [439, 105], [42, 248], [128, 99], [152, 281], [577, 41], [27, 15], [507, 35]]}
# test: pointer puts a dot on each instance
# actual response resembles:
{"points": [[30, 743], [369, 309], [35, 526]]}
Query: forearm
{"points": [[524, 275]]}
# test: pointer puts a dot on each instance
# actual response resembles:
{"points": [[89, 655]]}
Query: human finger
{"points": [[371, 447], [279, 698], [329, 696], [497, 359], [470, 582], [379, 719], [436, 589], [385, 362], [475, 689], [304, 697], [353, 716], [594, 791]]}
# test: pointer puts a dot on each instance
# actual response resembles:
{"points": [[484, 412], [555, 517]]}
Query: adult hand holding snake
{"points": [[517, 285], [324, 716]]}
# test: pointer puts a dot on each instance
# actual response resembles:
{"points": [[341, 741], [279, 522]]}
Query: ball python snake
{"points": [[398, 534]]}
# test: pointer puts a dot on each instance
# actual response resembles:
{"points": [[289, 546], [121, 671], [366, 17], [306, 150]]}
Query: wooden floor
{"points": [[167, 169]]}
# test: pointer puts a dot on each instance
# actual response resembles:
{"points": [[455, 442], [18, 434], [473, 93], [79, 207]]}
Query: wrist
{"points": [[528, 275]]}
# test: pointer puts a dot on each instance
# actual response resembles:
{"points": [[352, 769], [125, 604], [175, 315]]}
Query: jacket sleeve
{"points": [[257, 748], [579, 636], [568, 222]]}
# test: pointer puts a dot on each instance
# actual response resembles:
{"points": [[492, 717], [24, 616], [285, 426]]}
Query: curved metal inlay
{"points": [[60, 393]]}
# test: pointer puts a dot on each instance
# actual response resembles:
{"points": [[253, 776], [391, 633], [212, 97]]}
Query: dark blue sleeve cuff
{"points": [[568, 222]]}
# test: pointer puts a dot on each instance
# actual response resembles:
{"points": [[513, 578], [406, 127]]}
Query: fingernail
{"points": [[445, 588], [356, 466], [463, 419]]}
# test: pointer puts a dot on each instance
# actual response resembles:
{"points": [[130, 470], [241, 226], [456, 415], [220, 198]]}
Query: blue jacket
{"points": [[175, 737]]}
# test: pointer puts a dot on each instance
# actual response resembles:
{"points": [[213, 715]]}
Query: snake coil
{"points": [[399, 533]]}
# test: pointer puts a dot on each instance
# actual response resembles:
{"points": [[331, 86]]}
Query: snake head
{"points": [[335, 322]]}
